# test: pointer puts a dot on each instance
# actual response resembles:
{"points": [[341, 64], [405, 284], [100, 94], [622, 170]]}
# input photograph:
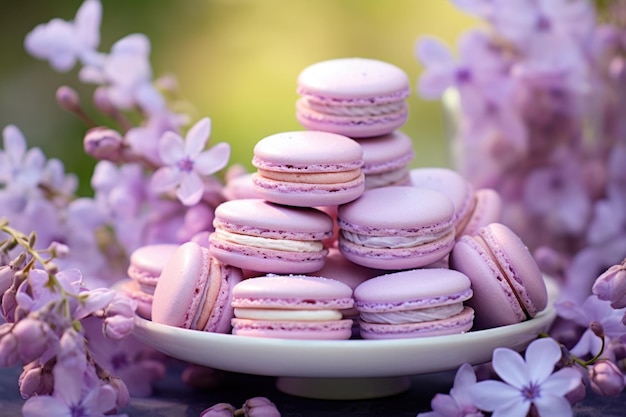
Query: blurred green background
{"points": [[236, 62]]}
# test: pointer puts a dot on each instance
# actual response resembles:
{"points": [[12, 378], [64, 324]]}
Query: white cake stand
{"points": [[346, 369]]}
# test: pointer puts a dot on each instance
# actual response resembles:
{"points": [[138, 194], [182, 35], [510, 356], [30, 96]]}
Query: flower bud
{"points": [[68, 98], [121, 391], [219, 410], [597, 329], [118, 327], [6, 278], [104, 143], [260, 407], [34, 380], [606, 378], [33, 338], [611, 286], [9, 355], [59, 250]]}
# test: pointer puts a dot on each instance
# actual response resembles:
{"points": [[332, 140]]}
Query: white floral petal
{"points": [[165, 179], [104, 399], [541, 355], [191, 189], [171, 148], [14, 143], [432, 51], [514, 409], [87, 23], [554, 406], [490, 395], [213, 160], [197, 137], [561, 382], [510, 366]]}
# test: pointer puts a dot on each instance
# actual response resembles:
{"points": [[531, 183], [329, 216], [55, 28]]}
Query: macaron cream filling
{"points": [[392, 242], [289, 245], [350, 109], [286, 314], [413, 316]]}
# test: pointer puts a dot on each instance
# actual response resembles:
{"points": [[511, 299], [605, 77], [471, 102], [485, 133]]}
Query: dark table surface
{"points": [[173, 398]]}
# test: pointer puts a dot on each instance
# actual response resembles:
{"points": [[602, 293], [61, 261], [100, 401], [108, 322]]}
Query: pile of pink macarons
{"points": [[335, 237]]}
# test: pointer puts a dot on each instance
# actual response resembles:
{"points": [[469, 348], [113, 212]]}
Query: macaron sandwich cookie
{"points": [[386, 159], [145, 267], [356, 97], [308, 169], [195, 290], [257, 235], [292, 307], [414, 303], [399, 227], [507, 283]]}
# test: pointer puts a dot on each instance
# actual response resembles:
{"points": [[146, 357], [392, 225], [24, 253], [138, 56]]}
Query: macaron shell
{"points": [[323, 330], [292, 292], [456, 324], [267, 260], [386, 153], [180, 290], [354, 78], [147, 262], [222, 309]]}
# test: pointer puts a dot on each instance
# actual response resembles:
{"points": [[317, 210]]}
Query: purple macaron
{"points": [[507, 283], [386, 159], [356, 97], [393, 228], [257, 235], [414, 303]]}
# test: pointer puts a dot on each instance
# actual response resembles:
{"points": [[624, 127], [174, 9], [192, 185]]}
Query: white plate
{"points": [[345, 358]]}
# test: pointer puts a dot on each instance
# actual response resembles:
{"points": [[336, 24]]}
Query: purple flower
{"points": [[219, 410], [606, 378], [185, 162], [526, 383], [62, 42], [260, 407], [458, 403], [19, 166]]}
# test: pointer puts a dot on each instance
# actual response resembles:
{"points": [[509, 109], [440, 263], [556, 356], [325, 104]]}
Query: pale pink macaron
{"points": [[393, 228], [414, 303], [195, 291], [473, 208], [292, 307], [308, 169], [145, 267], [386, 159], [508, 285], [356, 97], [258, 235]]}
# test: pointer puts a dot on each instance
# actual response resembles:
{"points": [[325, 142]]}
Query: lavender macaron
{"points": [[308, 169], [195, 291], [257, 235], [507, 283], [386, 159], [393, 228], [356, 97], [414, 303]]}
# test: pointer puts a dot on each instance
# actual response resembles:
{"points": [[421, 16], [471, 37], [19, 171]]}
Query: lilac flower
{"points": [[17, 164], [126, 71], [592, 310], [527, 383], [219, 410], [458, 403], [606, 378], [611, 285], [62, 42], [259, 407], [185, 162]]}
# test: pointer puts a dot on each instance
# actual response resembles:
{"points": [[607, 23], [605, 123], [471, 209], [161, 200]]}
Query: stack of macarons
{"points": [[334, 230]]}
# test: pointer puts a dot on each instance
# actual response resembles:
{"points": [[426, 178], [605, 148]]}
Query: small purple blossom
{"points": [[527, 383], [458, 403], [186, 162], [606, 378]]}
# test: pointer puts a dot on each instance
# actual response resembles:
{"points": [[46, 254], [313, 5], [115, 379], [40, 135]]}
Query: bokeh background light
{"points": [[236, 62]]}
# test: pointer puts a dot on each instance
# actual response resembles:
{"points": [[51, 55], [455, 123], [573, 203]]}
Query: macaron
{"points": [[414, 303], [356, 97], [507, 283], [292, 307], [473, 208], [399, 227], [386, 159], [308, 168], [144, 270], [195, 291], [257, 235]]}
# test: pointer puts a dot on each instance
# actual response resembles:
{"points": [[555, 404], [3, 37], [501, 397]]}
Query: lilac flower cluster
{"points": [[44, 310], [535, 99]]}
